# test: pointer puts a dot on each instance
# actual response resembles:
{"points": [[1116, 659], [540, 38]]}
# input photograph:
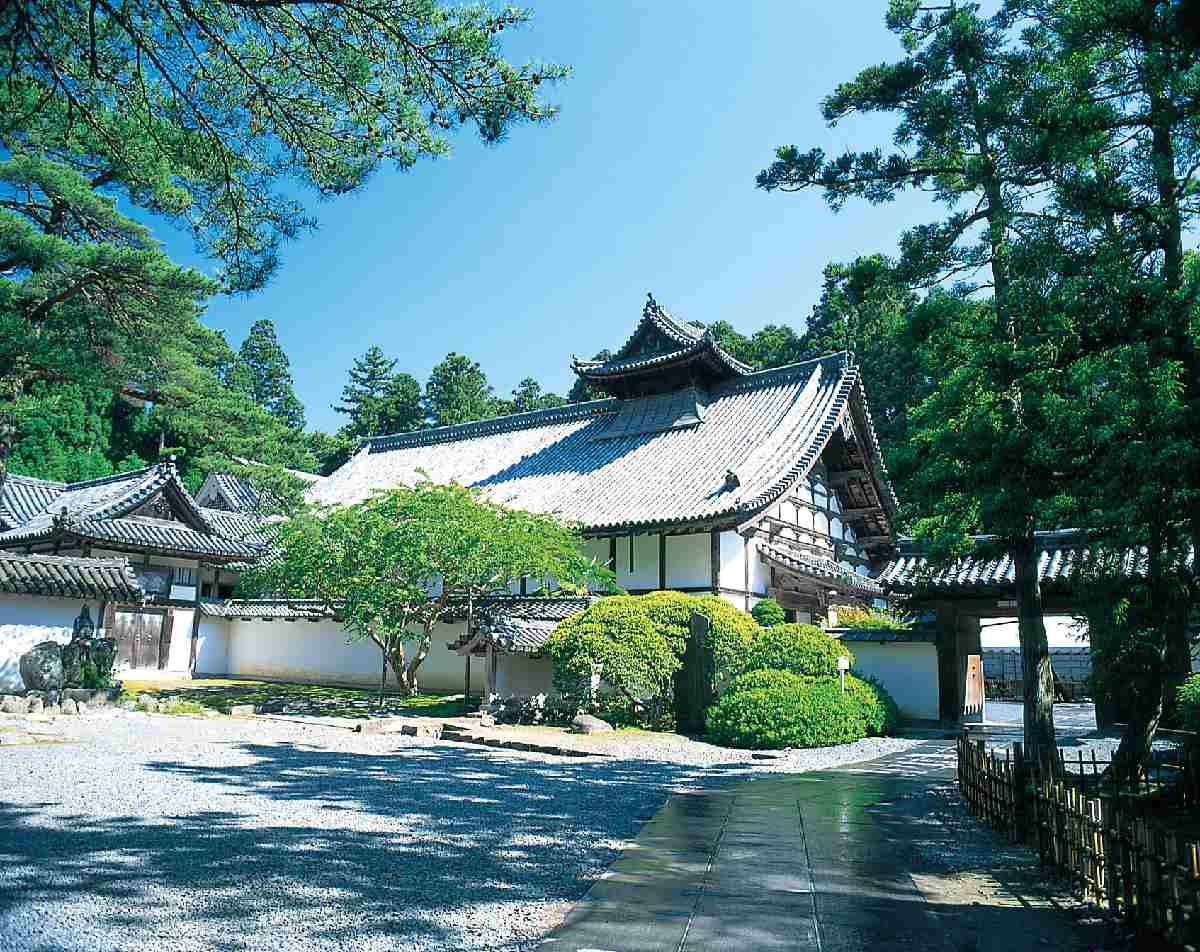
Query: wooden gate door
{"points": [[142, 637]]}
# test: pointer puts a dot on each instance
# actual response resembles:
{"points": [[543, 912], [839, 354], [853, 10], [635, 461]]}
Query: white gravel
{"points": [[149, 832]]}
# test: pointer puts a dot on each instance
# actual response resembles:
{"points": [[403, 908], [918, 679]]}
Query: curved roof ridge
{"points": [[500, 424], [116, 477], [37, 481]]}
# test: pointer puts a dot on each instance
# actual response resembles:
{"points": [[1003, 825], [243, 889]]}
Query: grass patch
{"points": [[300, 700]]}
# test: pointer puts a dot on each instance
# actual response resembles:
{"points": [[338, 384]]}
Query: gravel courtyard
{"points": [[141, 832]]}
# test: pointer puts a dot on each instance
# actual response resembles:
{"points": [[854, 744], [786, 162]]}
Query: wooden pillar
{"points": [[714, 555], [662, 561], [195, 645], [467, 679], [949, 693], [491, 669]]}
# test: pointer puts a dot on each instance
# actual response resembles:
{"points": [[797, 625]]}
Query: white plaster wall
{"points": [[179, 655], [732, 567], [689, 560], [760, 573], [321, 652], [27, 620], [212, 646], [645, 562], [524, 677], [908, 670]]}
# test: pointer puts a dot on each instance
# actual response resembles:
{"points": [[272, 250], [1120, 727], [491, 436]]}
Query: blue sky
{"points": [[523, 254]]}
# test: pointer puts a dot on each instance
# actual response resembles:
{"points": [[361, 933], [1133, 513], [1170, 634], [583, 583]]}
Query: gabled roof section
{"points": [[63, 577], [231, 493], [662, 355], [769, 428], [127, 511]]}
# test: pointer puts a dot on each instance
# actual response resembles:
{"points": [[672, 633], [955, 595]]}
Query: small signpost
{"points": [[843, 667]]}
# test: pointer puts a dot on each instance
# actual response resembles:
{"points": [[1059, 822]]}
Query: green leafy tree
{"points": [[458, 392], [769, 613], [393, 567], [270, 376], [528, 395]]}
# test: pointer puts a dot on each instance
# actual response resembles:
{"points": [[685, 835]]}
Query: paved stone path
{"points": [[837, 860]]}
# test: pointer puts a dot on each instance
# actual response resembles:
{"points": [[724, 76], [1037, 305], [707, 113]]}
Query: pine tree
{"points": [[458, 392], [363, 396], [270, 376]]}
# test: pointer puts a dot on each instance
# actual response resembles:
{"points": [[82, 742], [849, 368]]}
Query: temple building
{"points": [[693, 472]]}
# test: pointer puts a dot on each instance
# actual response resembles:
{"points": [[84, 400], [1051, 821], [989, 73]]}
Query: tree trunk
{"points": [[1137, 738], [1035, 652], [405, 667], [383, 669]]}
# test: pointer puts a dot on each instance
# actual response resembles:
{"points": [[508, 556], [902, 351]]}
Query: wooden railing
{"points": [[1134, 848]]}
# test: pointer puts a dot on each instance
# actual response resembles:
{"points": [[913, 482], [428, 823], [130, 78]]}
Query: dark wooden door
{"points": [[139, 636]]}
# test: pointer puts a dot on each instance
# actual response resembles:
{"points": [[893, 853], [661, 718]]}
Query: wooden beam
{"points": [[862, 512], [846, 475], [874, 540], [714, 556]]}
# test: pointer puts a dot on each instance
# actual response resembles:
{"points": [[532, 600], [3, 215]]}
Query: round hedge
{"points": [[768, 613], [801, 649], [816, 714], [877, 707], [766, 678]]}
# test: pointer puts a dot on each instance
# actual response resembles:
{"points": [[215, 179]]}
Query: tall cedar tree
{"points": [[379, 400], [270, 375], [1124, 78], [957, 93]]}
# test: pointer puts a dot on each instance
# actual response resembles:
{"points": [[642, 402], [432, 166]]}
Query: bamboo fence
{"points": [[1111, 841]]}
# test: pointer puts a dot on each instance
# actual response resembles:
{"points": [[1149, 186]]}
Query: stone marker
{"points": [[36, 704], [242, 710], [41, 667], [11, 704], [587, 724], [51, 710], [69, 706]]}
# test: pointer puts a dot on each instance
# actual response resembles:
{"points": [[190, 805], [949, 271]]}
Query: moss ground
{"points": [[312, 700]]}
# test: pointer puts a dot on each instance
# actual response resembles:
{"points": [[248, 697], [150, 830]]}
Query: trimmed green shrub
{"points": [[1187, 705], [850, 616], [817, 714], [801, 649], [768, 613], [878, 708], [634, 643], [769, 679]]}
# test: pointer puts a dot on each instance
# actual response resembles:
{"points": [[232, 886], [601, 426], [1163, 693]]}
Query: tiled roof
{"points": [[105, 511], [163, 536], [769, 428], [809, 564], [289, 608], [23, 497], [523, 624], [69, 577], [224, 491], [1062, 552], [885, 635]]}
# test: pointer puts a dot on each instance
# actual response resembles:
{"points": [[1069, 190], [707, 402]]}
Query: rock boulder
{"points": [[587, 724], [42, 668]]}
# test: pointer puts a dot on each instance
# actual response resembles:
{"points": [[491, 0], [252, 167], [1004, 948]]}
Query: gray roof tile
{"points": [[792, 559], [69, 577], [768, 427], [1062, 551]]}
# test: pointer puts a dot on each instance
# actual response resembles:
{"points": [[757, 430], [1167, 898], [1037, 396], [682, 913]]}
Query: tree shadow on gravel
{"points": [[427, 848]]}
